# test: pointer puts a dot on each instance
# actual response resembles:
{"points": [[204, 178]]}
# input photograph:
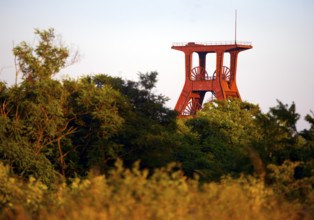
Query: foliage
{"points": [[279, 134], [22, 135], [96, 120], [133, 194], [285, 116], [50, 126], [234, 138], [43, 61], [148, 130], [286, 181], [309, 134], [224, 131]]}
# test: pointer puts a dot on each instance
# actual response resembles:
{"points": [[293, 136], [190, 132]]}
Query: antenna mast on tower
{"points": [[235, 28]]}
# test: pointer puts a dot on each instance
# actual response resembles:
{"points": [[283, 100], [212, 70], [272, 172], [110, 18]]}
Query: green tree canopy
{"points": [[43, 60], [51, 128], [225, 131]]}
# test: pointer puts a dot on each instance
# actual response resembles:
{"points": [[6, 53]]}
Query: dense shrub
{"points": [[133, 194]]}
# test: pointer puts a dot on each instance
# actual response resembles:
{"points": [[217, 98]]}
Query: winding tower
{"points": [[221, 83]]}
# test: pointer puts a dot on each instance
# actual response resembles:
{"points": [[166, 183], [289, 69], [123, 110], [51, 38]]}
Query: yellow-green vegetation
{"points": [[134, 194]]}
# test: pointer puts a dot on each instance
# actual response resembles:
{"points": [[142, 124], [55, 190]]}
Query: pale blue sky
{"points": [[122, 38]]}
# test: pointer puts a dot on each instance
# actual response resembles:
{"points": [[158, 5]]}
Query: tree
{"points": [[285, 116], [35, 121], [308, 134], [148, 131], [225, 131], [44, 60], [64, 126], [17, 140], [95, 113], [281, 140]]}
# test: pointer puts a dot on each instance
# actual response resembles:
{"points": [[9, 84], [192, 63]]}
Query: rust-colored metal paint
{"points": [[221, 83]]}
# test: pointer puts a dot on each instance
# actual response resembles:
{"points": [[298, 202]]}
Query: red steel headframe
{"points": [[222, 83]]}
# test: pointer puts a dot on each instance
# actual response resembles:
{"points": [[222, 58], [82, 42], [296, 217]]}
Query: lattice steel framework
{"points": [[222, 83]]}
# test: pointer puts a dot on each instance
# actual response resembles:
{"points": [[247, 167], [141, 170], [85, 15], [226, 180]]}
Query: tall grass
{"points": [[134, 194]]}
